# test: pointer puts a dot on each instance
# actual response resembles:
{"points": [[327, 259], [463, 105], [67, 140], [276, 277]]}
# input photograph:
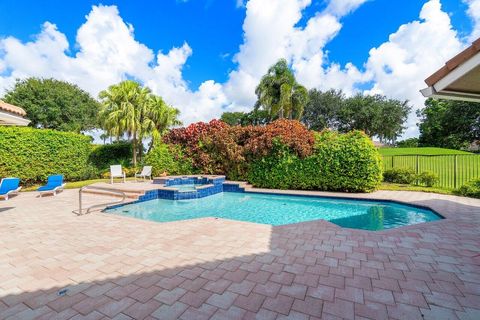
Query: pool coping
{"points": [[241, 186]]}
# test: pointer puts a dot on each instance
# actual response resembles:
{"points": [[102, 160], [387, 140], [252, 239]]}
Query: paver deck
{"points": [[114, 267]]}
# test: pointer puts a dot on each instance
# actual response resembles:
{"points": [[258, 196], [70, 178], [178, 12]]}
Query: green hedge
{"points": [[103, 156], [170, 159], [33, 154], [340, 162]]}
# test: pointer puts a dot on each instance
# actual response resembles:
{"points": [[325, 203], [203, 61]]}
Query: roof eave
{"points": [[12, 120]]}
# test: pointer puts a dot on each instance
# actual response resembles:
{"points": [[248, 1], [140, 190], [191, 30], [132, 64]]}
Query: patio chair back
{"points": [[116, 171], [8, 184], [55, 180], [146, 171]]}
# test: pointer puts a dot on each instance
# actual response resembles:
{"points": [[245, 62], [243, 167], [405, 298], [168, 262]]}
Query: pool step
{"points": [[130, 194]]}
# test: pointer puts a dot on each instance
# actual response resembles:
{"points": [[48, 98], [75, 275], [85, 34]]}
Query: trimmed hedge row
{"points": [[33, 154], [340, 162], [103, 156], [168, 158]]}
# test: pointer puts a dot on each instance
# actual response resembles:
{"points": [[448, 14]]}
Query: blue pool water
{"points": [[185, 187], [281, 209]]}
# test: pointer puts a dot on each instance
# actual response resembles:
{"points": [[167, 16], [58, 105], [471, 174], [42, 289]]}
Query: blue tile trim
{"points": [[217, 186]]}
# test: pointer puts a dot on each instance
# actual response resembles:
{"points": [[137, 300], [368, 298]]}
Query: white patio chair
{"points": [[117, 172], [146, 172]]}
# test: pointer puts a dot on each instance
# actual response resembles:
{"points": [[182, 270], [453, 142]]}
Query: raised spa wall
{"points": [[205, 186]]}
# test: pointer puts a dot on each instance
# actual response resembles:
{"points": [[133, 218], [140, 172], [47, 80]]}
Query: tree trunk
{"points": [[134, 146]]}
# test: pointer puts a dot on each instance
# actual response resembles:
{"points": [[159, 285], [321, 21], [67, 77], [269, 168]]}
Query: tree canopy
{"points": [[255, 117], [55, 104], [279, 93], [376, 115], [129, 108], [449, 124], [322, 109]]}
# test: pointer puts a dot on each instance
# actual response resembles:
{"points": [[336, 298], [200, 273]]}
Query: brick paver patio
{"points": [[113, 267]]}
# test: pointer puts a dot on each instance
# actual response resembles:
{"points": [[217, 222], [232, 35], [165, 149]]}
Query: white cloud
{"points": [[271, 32], [107, 52], [399, 66], [474, 13]]}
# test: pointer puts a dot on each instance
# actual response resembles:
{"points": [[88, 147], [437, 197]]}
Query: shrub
{"points": [[105, 155], [427, 178], [190, 138], [226, 152], [400, 175], [470, 189], [339, 162], [33, 154], [290, 133], [170, 159]]}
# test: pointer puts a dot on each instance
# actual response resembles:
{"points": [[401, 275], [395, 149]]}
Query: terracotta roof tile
{"points": [[453, 63], [11, 108]]}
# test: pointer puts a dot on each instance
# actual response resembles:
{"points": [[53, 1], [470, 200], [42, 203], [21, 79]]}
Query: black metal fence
{"points": [[453, 170]]}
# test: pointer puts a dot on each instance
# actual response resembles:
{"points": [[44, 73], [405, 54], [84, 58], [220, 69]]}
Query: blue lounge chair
{"points": [[54, 184], [9, 186]]}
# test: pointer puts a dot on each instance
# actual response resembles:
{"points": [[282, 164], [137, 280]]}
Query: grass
{"points": [[420, 151], [74, 184], [70, 185], [438, 160], [383, 186], [408, 187]]}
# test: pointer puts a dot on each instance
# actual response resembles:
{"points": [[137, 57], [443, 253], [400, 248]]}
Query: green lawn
{"points": [[70, 185], [422, 151], [454, 168], [406, 187]]}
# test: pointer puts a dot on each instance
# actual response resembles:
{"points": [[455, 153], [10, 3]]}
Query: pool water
{"points": [[185, 187], [281, 209]]}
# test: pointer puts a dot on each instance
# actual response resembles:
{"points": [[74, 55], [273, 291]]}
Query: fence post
{"points": [[416, 165], [392, 161], [455, 172]]}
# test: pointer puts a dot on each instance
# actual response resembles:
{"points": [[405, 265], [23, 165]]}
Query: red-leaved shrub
{"points": [[218, 148]]}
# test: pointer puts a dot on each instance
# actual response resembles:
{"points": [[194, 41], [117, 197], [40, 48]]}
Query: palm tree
{"points": [[123, 112], [279, 93], [104, 137], [160, 116]]}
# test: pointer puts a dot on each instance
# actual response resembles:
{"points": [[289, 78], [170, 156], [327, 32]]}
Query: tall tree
{"points": [[232, 118], [55, 104], [449, 124], [125, 105], [159, 116], [279, 93], [322, 109], [129, 108], [376, 115]]}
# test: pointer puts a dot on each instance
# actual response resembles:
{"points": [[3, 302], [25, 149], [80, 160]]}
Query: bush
{"points": [[470, 189], [340, 162], [408, 143], [103, 156], [291, 133], [33, 154], [427, 178], [170, 159], [400, 175], [190, 139]]}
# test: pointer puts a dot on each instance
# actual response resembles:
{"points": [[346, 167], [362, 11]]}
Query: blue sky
{"points": [[206, 56], [213, 28]]}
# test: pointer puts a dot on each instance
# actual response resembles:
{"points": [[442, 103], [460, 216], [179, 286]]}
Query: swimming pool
{"points": [[280, 210]]}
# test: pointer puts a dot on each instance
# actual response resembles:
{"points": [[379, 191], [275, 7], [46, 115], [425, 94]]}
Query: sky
{"points": [[206, 57]]}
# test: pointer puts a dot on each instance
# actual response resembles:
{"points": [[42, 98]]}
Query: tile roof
{"points": [[454, 62], [11, 108]]}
